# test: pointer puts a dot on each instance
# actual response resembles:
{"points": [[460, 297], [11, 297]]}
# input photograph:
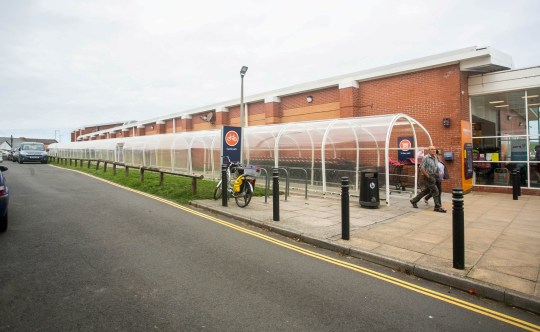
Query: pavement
{"points": [[502, 238]]}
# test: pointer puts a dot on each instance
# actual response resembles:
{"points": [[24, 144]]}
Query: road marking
{"points": [[425, 291]]}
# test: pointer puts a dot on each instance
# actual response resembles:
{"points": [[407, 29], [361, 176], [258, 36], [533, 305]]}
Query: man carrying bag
{"points": [[429, 170]]}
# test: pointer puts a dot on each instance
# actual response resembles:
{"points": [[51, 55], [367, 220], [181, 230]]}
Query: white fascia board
{"points": [[102, 124], [272, 99], [504, 81], [487, 57], [348, 84], [501, 59]]}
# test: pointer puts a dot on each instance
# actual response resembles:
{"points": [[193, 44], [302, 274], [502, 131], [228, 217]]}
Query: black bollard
{"points": [[224, 190], [275, 193], [458, 229], [345, 208], [518, 178], [515, 184]]}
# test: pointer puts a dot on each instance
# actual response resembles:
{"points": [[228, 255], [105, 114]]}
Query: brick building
{"points": [[450, 94]]}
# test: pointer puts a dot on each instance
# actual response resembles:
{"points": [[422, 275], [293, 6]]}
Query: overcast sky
{"points": [[69, 63]]}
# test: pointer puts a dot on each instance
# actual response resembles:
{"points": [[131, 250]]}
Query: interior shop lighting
{"points": [[532, 96], [499, 106], [535, 104], [496, 102]]}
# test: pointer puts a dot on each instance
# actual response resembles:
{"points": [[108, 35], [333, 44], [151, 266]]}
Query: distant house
{"points": [[6, 144]]}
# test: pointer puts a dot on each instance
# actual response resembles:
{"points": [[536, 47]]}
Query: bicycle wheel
{"points": [[243, 199], [217, 191]]}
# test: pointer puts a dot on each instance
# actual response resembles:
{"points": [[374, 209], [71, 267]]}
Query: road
{"points": [[81, 254]]}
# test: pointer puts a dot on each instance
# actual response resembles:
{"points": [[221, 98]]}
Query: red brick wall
{"points": [[428, 96], [323, 96], [169, 126], [256, 114], [234, 115]]}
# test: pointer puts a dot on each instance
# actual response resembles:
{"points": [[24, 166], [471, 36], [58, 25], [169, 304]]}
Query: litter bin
{"points": [[369, 189]]}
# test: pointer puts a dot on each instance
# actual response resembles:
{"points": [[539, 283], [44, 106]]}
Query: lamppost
{"points": [[56, 131], [242, 73]]}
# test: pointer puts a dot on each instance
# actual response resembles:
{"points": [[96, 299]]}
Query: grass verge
{"points": [[174, 188]]}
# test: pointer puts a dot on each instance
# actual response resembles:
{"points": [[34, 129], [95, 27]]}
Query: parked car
{"points": [[10, 154], [4, 200], [15, 155], [31, 151]]}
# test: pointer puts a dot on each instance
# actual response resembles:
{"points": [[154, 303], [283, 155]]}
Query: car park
{"points": [[31, 152], [4, 200]]}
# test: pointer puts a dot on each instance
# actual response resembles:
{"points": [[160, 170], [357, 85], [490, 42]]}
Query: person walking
{"points": [[441, 172], [429, 170]]}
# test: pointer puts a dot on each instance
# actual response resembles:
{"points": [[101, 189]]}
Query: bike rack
{"points": [[286, 181], [306, 182], [267, 183]]}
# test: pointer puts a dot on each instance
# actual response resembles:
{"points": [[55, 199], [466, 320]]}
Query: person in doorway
{"points": [[429, 170], [441, 175]]}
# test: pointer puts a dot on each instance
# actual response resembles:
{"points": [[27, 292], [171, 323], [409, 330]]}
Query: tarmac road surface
{"points": [[81, 254]]}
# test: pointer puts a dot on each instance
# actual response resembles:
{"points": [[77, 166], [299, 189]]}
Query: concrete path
{"points": [[502, 238]]}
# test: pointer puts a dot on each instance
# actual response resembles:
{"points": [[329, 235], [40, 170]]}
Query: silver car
{"points": [[31, 152]]}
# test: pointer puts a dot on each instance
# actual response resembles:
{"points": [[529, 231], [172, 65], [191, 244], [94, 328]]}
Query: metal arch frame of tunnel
{"points": [[174, 144], [207, 139], [412, 122], [357, 161], [278, 138]]}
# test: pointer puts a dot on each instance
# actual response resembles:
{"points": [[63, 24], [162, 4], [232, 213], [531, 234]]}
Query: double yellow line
{"points": [[436, 295]]}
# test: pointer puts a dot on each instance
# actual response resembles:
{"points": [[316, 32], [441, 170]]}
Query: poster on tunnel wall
{"points": [[406, 150]]}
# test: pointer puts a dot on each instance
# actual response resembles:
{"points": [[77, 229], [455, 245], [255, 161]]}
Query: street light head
{"points": [[243, 70]]}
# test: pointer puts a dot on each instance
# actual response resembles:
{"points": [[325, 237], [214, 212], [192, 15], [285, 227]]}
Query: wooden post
{"points": [[194, 186]]}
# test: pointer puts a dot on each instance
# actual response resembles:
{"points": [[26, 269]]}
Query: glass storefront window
{"points": [[505, 137]]}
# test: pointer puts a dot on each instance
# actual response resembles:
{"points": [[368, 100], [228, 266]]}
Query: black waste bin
{"points": [[369, 189]]}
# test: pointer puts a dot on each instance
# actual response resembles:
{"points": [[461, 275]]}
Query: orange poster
{"points": [[467, 156]]}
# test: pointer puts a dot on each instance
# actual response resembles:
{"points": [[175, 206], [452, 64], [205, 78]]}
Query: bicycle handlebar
{"points": [[230, 163]]}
